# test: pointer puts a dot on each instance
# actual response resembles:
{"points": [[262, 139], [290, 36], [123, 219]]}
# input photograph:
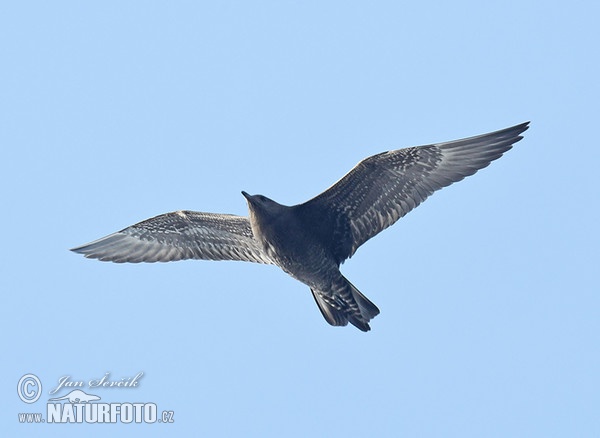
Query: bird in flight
{"points": [[310, 241]]}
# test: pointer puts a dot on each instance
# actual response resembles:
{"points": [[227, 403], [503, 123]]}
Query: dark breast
{"points": [[300, 246], [328, 228]]}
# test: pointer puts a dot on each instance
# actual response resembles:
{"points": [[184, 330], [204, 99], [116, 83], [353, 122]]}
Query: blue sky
{"points": [[113, 112]]}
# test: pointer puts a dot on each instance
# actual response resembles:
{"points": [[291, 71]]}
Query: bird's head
{"points": [[262, 208], [260, 202]]}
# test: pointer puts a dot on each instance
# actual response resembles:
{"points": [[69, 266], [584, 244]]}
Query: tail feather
{"points": [[345, 303]]}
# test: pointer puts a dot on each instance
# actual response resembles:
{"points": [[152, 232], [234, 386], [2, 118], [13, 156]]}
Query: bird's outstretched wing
{"points": [[177, 236], [384, 187]]}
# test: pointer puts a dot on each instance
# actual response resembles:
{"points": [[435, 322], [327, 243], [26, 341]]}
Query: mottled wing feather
{"points": [[178, 236], [384, 187]]}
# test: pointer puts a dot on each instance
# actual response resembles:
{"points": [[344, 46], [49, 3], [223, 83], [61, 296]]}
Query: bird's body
{"points": [[309, 241], [301, 245], [287, 240]]}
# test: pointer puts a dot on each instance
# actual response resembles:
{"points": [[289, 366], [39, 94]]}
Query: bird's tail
{"points": [[344, 303]]}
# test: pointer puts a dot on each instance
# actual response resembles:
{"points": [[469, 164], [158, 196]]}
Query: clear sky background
{"points": [[113, 112]]}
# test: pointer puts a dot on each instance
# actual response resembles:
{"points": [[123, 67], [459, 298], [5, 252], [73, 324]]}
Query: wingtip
{"points": [[90, 250], [519, 130], [522, 127], [84, 249], [76, 249]]}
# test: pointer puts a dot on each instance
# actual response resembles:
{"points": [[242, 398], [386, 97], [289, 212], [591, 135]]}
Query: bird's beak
{"points": [[246, 195]]}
